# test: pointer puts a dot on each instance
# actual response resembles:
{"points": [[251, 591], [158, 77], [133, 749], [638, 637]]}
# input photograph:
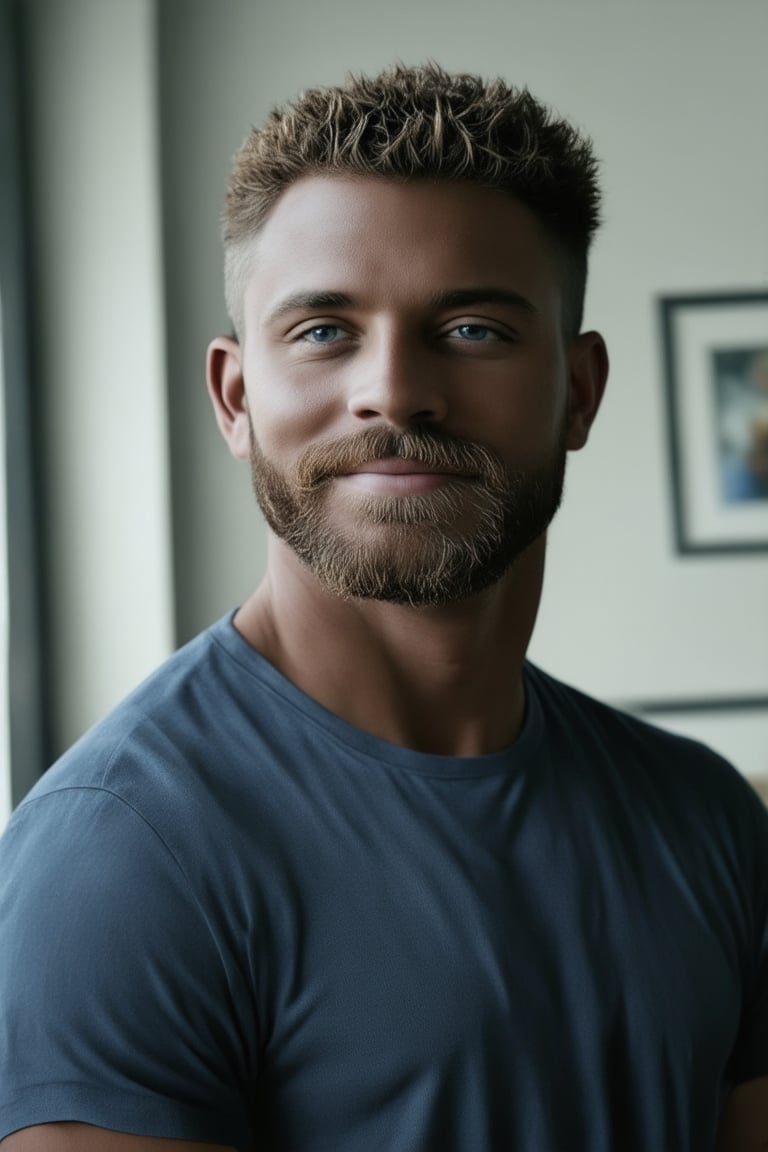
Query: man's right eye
{"points": [[322, 334]]}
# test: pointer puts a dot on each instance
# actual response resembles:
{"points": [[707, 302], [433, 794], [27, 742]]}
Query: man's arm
{"points": [[119, 1006], [85, 1138], [744, 1123]]}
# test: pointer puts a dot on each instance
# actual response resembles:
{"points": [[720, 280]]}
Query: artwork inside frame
{"points": [[716, 377]]}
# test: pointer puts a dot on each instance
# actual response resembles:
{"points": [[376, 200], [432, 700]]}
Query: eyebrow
{"points": [[467, 297], [302, 301], [457, 298]]}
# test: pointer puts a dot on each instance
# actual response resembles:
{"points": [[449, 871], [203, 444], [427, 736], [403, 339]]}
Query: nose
{"points": [[396, 380]]}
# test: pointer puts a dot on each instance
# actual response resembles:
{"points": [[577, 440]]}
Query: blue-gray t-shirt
{"points": [[227, 915]]}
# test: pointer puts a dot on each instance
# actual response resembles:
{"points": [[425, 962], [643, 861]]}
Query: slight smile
{"points": [[398, 477]]}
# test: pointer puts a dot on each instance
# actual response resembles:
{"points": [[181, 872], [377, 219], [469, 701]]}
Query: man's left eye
{"points": [[476, 333]]}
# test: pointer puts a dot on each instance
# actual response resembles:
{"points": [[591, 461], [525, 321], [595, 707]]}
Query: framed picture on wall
{"points": [[716, 375]]}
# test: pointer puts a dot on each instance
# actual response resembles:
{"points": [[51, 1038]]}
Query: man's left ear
{"points": [[587, 373]]}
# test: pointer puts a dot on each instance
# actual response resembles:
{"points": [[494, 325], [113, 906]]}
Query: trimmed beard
{"points": [[429, 549]]}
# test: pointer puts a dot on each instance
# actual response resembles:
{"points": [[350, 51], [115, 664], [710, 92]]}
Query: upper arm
{"points": [[744, 1123], [113, 993], [86, 1138]]}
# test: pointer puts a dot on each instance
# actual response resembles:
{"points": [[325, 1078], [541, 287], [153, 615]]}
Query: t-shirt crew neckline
{"points": [[373, 748]]}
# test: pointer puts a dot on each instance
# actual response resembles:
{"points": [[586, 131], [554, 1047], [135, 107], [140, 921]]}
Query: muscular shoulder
{"points": [[574, 714], [678, 783], [175, 749]]}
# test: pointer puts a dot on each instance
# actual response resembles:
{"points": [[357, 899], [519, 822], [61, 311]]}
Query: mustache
{"points": [[433, 449]]}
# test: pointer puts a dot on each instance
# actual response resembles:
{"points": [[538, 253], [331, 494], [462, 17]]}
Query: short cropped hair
{"points": [[421, 123]]}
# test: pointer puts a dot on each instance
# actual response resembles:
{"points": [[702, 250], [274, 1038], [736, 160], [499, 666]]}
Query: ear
{"points": [[587, 373], [226, 387]]}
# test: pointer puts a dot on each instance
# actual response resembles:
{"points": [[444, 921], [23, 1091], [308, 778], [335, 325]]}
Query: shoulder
{"points": [[643, 756], [159, 747], [672, 800], [186, 778], [142, 788], [574, 710]]}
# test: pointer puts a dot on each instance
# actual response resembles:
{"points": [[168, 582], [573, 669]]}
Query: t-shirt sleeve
{"points": [[750, 1055], [115, 1006]]}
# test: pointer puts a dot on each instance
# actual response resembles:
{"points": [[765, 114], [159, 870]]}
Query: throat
{"points": [[444, 681]]}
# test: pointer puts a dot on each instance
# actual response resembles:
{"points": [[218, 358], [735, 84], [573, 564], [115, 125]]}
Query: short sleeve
{"points": [[750, 1056], [115, 1008]]}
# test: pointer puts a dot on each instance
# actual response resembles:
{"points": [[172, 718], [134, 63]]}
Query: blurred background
{"points": [[128, 527]]}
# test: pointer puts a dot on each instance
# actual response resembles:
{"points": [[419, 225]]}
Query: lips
{"points": [[392, 466], [395, 476]]}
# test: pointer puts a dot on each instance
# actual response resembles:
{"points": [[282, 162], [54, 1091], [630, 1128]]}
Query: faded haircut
{"points": [[421, 123]]}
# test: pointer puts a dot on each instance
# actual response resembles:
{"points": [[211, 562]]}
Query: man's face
{"points": [[406, 384]]}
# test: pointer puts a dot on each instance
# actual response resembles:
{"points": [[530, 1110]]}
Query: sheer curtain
{"points": [[23, 749], [5, 733]]}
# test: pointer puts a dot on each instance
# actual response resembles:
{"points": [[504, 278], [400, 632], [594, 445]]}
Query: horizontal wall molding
{"points": [[697, 704]]}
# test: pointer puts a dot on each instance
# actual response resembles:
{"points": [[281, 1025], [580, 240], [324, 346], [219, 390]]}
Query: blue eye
{"points": [[477, 333], [322, 334]]}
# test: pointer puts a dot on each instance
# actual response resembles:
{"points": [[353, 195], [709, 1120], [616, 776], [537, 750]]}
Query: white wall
{"points": [[674, 95], [99, 333]]}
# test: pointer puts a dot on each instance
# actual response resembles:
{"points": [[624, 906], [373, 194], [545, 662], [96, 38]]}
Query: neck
{"points": [[445, 680]]}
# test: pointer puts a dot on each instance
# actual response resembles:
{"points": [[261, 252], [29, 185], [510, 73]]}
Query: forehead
{"points": [[383, 240]]}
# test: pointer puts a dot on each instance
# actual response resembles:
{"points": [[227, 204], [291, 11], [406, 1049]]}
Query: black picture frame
{"points": [[715, 364]]}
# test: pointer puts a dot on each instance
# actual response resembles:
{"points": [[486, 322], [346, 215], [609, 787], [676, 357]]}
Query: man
{"points": [[347, 874]]}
